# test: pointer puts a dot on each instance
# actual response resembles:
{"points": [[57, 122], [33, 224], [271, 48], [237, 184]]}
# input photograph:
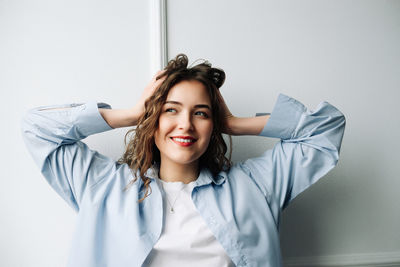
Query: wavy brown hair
{"points": [[141, 152]]}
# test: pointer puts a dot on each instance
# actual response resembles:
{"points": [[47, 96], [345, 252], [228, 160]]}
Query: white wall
{"points": [[344, 52], [54, 52]]}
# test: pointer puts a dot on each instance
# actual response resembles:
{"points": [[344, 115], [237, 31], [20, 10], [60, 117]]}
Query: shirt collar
{"points": [[206, 177]]}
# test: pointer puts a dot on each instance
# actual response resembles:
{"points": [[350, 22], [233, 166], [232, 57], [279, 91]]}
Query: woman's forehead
{"points": [[189, 92]]}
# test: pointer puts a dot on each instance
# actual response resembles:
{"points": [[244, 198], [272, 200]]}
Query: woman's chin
{"points": [[182, 160]]}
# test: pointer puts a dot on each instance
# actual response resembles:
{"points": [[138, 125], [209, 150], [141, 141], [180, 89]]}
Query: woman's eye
{"points": [[201, 113], [170, 110]]}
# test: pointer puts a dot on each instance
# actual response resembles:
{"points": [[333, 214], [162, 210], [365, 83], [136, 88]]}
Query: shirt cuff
{"points": [[284, 118], [90, 120]]}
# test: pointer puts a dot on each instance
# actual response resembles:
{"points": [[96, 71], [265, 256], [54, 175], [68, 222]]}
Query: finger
{"points": [[157, 83], [159, 73], [160, 80]]}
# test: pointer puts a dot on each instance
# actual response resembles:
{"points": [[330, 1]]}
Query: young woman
{"points": [[174, 198]]}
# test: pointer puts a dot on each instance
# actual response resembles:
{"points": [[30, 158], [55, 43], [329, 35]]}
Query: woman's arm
{"points": [[52, 135], [247, 126], [117, 118], [308, 149]]}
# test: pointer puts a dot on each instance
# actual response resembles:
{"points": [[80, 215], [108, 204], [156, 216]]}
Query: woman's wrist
{"points": [[118, 118], [246, 126]]}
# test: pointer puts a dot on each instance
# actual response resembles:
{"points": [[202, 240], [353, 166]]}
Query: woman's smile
{"points": [[184, 140]]}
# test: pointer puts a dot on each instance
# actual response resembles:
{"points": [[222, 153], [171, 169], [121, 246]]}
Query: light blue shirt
{"points": [[241, 207]]}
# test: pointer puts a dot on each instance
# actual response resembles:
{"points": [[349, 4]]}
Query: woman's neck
{"points": [[172, 172]]}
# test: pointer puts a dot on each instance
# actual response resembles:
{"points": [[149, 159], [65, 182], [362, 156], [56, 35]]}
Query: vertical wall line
{"points": [[164, 33], [158, 35]]}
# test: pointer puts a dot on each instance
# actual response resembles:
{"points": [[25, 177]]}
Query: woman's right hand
{"points": [[129, 117], [148, 91]]}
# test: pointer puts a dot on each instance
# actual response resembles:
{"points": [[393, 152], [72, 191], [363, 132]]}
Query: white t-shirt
{"points": [[185, 239]]}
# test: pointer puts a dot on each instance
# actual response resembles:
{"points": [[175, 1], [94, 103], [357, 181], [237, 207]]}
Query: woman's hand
{"points": [[148, 91], [129, 117], [228, 117], [241, 126]]}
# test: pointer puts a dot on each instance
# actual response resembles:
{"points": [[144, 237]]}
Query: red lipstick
{"points": [[183, 140]]}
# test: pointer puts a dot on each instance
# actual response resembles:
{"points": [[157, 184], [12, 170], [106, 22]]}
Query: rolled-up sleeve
{"points": [[52, 135], [309, 148]]}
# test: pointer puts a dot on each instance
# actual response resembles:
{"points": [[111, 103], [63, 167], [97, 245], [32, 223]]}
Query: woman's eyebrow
{"points": [[196, 106]]}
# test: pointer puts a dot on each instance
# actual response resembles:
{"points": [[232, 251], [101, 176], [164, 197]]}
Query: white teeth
{"points": [[183, 140]]}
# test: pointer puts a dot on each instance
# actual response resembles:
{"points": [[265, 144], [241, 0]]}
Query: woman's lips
{"points": [[183, 141]]}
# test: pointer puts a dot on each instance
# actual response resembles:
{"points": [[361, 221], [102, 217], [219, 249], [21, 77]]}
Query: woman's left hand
{"points": [[241, 126], [228, 117]]}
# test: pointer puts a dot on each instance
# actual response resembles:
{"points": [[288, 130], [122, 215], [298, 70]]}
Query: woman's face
{"points": [[185, 124]]}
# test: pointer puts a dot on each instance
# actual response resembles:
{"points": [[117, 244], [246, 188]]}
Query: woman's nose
{"points": [[185, 122]]}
